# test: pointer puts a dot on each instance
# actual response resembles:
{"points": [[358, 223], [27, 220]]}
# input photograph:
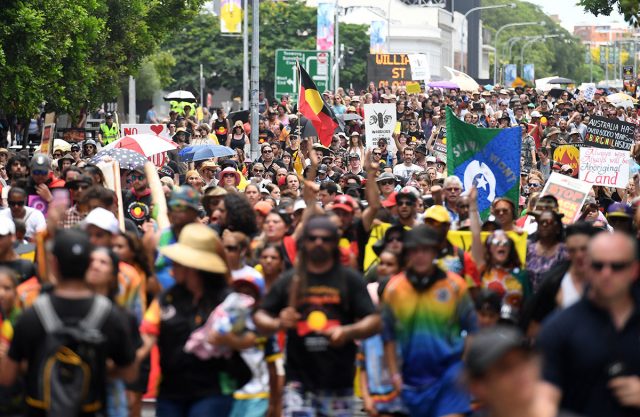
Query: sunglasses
{"points": [[39, 172], [615, 266], [500, 242], [180, 208], [135, 177], [228, 176], [16, 203], [546, 222], [377, 154], [502, 211], [258, 171], [267, 151], [76, 187], [535, 184], [323, 239], [232, 248], [453, 189], [406, 203], [394, 239], [387, 182]]}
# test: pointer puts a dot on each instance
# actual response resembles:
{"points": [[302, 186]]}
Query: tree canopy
{"points": [[630, 9], [283, 25], [67, 52]]}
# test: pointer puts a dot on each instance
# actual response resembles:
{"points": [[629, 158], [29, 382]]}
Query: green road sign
{"points": [[317, 64]]}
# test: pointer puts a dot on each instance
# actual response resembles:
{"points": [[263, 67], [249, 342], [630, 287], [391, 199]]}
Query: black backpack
{"points": [[71, 370]]}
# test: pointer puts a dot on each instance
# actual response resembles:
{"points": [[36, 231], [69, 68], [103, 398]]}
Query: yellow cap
{"points": [[437, 213]]}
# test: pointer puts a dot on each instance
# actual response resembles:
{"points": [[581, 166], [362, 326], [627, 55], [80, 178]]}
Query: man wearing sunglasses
{"points": [[137, 199], [41, 182], [591, 361], [332, 310], [18, 210]]}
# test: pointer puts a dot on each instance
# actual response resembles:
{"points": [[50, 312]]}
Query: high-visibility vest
{"points": [[109, 134]]}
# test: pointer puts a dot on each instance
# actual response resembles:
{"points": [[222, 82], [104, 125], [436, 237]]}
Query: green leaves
{"points": [[630, 9]]}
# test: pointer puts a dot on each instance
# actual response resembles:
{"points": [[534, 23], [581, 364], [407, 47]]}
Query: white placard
{"points": [[159, 129], [589, 91], [606, 167], [379, 122], [419, 67]]}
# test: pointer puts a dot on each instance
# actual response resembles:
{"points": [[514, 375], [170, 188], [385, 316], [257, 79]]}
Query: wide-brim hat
{"points": [[229, 170], [196, 248]]}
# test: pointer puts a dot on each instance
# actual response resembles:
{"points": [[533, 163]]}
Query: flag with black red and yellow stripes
{"points": [[313, 107]]}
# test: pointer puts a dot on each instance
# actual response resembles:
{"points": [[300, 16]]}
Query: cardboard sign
{"points": [[46, 142], [609, 133], [379, 122], [627, 72], [152, 129], [413, 88], [570, 193], [606, 167], [462, 239], [568, 155]]}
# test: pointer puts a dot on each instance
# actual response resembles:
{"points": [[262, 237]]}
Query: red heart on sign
{"points": [[157, 129]]}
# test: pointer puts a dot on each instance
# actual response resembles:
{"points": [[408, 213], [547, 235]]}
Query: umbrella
{"points": [[242, 115], [462, 80], [557, 92], [127, 158], [621, 99], [181, 95], [204, 152], [443, 84], [349, 116], [144, 143], [560, 80]]}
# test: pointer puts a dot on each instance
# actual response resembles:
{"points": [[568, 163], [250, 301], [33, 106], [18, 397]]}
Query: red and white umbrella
{"points": [[144, 144]]}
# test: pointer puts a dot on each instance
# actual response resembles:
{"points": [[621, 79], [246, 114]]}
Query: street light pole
{"points": [[529, 42], [245, 55], [474, 9], [255, 78], [496, 55], [336, 49]]}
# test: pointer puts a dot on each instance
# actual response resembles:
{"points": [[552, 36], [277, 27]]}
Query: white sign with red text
{"points": [[152, 129], [606, 167]]}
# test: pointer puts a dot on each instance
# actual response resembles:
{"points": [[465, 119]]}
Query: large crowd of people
{"points": [[320, 281]]}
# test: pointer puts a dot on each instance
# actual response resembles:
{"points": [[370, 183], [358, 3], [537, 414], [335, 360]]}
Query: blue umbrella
{"points": [[127, 158], [204, 152]]}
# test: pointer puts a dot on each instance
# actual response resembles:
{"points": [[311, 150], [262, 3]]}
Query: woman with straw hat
{"points": [[189, 385]]}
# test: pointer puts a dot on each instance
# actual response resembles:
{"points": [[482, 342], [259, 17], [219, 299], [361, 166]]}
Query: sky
{"points": [[572, 15]]}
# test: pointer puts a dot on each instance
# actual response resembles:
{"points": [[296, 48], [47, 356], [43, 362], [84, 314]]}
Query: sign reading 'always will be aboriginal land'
{"points": [[609, 133]]}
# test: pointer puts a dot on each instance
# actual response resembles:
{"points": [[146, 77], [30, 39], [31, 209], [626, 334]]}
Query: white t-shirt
{"points": [[406, 171], [34, 220], [570, 294]]}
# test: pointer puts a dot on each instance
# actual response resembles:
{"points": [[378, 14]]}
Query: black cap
{"points": [[82, 179], [72, 248], [108, 115], [75, 147], [490, 345], [421, 235]]}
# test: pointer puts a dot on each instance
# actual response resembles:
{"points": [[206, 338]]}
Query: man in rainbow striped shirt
{"points": [[427, 312]]}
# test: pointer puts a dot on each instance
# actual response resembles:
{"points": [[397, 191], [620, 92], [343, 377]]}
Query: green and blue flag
{"points": [[490, 158]]}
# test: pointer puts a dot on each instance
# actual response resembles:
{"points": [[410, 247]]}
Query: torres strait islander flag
{"points": [[489, 158], [313, 107]]}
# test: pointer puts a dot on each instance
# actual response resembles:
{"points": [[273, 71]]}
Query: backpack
{"points": [[71, 367]]}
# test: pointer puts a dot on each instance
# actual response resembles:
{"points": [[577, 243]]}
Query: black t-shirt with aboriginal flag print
{"points": [[337, 297]]}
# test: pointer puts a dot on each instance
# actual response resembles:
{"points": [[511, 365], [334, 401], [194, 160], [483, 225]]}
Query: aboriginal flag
{"points": [[313, 107]]}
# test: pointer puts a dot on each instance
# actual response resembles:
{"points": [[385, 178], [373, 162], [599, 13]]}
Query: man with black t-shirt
{"points": [[332, 310], [71, 299], [137, 199]]}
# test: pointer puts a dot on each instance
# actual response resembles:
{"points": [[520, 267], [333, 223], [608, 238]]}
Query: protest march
{"points": [[407, 247]]}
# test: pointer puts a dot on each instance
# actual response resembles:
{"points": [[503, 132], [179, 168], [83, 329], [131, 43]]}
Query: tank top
{"points": [[237, 143], [220, 129]]}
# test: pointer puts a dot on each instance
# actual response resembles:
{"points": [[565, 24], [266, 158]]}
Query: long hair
{"points": [[240, 215], [513, 260], [140, 256]]}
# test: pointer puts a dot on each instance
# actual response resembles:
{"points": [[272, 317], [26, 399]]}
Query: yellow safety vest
{"points": [[109, 134]]}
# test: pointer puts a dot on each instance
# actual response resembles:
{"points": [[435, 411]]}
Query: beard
{"points": [[319, 255]]}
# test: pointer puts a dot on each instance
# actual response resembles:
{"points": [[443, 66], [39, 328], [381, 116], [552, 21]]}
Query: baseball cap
{"points": [[72, 247], [353, 155], [620, 210], [408, 192], [489, 345], [421, 235], [322, 168], [40, 162], [256, 282], [431, 159], [89, 142], [535, 113], [438, 213], [7, 227], [103, 219], [185, 195], [299, 205], [75, 147], [108, 115], [166, 171], [344, 202], [390, 201]]}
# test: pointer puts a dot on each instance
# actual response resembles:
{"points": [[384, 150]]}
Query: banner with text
{"points": [[138, 128], [419, 67], [388, 69], [609, 133], [570, 193], [380, 121], [606, 167]]}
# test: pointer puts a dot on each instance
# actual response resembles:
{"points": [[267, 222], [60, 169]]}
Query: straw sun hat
{"points": [[196, 248]]}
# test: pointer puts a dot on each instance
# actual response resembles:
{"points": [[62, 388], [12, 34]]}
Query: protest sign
{"points": [[568, 155], [419, 67], [607, 167], [46, 142], [627, 72], [462, 240], [570, 193], [609, 133], [413, 88], [380, 122], [589, 91], [138, 128]]}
